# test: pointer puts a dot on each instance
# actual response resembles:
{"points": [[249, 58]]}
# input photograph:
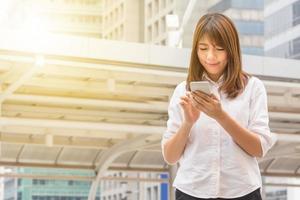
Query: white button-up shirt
{"points": [[212, 164]]}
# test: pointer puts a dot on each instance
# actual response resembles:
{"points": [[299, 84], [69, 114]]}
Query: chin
{"points": [[213, 73]]}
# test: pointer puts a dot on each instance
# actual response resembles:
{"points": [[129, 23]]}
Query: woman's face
{"points": [[212, 57]]}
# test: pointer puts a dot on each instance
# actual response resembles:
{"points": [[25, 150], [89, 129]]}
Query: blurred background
{"points": [[85, 86]]}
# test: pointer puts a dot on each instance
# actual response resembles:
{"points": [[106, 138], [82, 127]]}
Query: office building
{"points": [[282, 29], [42, 189], [249, 19]]}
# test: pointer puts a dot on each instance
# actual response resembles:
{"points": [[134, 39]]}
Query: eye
{"points": [[220, 49], [203, 48]]}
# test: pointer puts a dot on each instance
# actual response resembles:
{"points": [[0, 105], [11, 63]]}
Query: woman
{"points": [[217, 137]]}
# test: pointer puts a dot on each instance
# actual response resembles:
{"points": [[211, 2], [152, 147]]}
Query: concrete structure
{"points": [[2, 184], [74, 102], [86, 103], [138, 190], [282, 28], [283, 193]]}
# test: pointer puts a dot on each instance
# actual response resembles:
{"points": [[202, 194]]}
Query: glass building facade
{"points": [[280, 22], [40, 189], [248, 18]]}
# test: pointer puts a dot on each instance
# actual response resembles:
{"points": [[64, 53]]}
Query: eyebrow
{"points": [[204, 44]]}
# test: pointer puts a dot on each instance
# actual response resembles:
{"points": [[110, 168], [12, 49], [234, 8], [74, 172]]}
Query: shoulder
{"points": [[255, 86], [255, 80], [181, 87], [255, 83], [179, 90]]}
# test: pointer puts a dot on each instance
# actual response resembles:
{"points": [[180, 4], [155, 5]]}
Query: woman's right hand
{"points": [[191, 114]]}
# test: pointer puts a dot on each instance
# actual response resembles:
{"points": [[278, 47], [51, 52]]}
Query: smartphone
{"points": [[203, 86]]}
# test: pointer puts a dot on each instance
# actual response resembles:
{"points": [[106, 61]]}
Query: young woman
{"points": [[217, 137]]}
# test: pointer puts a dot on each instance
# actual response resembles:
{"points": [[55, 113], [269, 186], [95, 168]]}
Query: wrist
{"points": [[187, 124], [221, 116]]}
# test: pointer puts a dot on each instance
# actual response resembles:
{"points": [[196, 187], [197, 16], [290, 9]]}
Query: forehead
{"points": [[207, 39]]}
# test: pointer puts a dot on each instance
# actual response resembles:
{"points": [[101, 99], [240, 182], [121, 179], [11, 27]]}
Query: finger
{"points": [[198, 92], [200, 107], [202, 95], [189, 95], [201, 101], [206, 111], [183, 104], [197, 104], [214, 97], [186, 99]]}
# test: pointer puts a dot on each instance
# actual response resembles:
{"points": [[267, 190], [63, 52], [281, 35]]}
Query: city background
{"points": [[85, 86]]}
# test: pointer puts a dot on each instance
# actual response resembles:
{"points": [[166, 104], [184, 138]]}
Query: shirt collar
{"points": [[218, 82]]}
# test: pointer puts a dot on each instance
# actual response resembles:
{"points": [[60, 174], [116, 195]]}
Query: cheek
{"points": [[200, 57], [224, 60]]}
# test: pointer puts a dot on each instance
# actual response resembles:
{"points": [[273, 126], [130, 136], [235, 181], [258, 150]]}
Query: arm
{"points": [[246, 139], [174, 147], [255, 139]]}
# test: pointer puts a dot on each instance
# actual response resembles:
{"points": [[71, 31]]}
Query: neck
{"points": [[214, 78]]}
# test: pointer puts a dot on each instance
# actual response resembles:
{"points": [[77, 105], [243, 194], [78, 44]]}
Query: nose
{"points": [[211, 55]]}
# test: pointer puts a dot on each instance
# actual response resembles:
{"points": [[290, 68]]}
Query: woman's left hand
{"points": [[209, 104]]}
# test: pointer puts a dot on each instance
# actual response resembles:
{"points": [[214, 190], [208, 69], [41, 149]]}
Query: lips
{"points": [[212, 64]]}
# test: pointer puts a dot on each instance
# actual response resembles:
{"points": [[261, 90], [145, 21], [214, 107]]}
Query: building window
{"points": [[148, 194], [156, 30], [122, 10], [19, 182], [111, 18], [156, 6], [19, 196], [163, 24], [38, 182], [155, 192], [163, 4], [149, 33], [149, 10], [34, 181], [121, 31], [70, 182], [117, 15]]}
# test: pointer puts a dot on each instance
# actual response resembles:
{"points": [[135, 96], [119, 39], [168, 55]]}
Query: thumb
{"points": [[214, 97], [188, 94]]}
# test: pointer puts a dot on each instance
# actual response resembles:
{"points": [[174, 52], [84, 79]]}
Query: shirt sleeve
{"points": [[259, 117], [174, 113]]}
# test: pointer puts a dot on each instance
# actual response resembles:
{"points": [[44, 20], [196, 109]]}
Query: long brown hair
{"points": [[221, 30]]}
